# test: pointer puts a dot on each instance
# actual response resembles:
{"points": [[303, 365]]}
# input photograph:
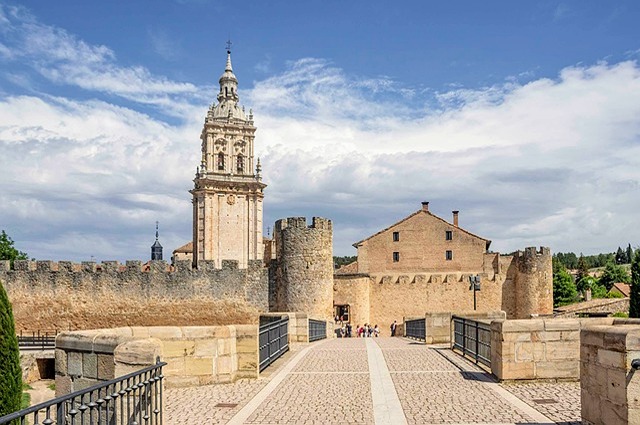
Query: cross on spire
{"points": [[229, 46]]}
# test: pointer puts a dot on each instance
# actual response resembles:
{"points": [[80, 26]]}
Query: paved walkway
{"points": [[374, 381]]}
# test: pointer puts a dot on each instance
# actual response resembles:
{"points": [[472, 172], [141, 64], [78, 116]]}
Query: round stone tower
{"points": [[534, 282], [304, 272]]}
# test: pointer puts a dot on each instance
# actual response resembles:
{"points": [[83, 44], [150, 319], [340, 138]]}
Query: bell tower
{"points": [[228, 188]]}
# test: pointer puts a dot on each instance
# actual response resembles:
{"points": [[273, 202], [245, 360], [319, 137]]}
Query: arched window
{"points": [[240, 163], [221, 161]]}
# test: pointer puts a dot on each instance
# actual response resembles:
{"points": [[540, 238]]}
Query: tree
{"points": [[613, 274], [634, 302], [621, 256], [629, 254], [8, 251], [564, 291], [583, 269], [10, 371]]}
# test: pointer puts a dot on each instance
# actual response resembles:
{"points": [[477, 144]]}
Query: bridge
{"points": [[374, 381]]}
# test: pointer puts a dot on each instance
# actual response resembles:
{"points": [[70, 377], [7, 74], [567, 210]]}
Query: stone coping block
{"points": [[213, 353]]}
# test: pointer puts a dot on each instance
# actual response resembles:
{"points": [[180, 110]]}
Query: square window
{"points": [[449, 235], [396, 236], [449, 255], [396, 257]]}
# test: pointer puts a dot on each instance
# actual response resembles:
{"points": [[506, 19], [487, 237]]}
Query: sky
{"points": [[525, 116]]}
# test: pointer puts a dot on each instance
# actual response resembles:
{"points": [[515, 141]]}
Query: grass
{"points": [[52, 386], [26, 400]]}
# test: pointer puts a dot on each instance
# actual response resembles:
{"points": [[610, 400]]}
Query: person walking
{"points": [[394, 325]]}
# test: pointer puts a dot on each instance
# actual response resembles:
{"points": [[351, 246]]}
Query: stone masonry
{"points": [[304, 266], [63, 295]]}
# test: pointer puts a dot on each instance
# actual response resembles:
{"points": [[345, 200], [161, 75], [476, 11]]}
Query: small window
{"points": [[396, 257], [221, 161], [240, 164], [449, 235], [396, 236], [449, 255]]}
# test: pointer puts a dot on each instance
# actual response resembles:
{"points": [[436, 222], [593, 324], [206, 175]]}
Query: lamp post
{"points": [[475, 287]]}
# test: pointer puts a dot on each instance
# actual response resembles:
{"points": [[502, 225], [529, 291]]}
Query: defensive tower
{"points": [[304, 270], [533, 282], [227, 193]]}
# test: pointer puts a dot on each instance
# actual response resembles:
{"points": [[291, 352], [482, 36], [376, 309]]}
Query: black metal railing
{"points": [[317, 330], [37, 340], [133, 399], [473, 339], [273, 339], [415, 328]]}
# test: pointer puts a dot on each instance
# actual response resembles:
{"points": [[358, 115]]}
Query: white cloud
{"points": [[62, 58], [553, 161]]}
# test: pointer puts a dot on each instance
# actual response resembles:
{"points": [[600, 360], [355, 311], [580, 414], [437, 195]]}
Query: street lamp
{"points": [[475, 287]]}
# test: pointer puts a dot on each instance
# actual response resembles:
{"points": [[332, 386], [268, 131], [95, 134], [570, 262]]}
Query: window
{"points": [[449, 235], [396, 257], [240, 163], [221, 161], [396, 236], [449, 255]]}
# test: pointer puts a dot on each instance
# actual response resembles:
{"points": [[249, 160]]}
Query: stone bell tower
{"points": [[227, 193]]}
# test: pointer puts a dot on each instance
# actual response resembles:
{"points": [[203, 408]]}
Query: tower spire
{"points": [[156, 230]]}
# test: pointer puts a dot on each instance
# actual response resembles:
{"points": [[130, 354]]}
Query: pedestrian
{"points": [[349, 330], [393, 328], [376, 331]]}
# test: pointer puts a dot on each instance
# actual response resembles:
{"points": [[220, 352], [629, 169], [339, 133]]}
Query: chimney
{"points": [[425, 206], [455, 218]]}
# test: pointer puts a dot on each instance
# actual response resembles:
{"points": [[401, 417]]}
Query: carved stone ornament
{"points": [[231, 199]]}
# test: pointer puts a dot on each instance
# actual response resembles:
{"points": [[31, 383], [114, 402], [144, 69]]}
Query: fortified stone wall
{"points": [[393, 296], [354, 291], [304, 266], [67, 296]]}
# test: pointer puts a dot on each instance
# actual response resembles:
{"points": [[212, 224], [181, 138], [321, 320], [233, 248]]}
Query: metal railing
{"points": [[133, 399], [317, 330], [37, 340], [473, 339], [273, 339], [415, 328]]}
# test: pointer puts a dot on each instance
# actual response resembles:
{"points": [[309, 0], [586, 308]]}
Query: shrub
{"points": [[10, 371]]}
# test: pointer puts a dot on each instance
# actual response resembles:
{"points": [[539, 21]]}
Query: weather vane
{"points": [[229, 45]]}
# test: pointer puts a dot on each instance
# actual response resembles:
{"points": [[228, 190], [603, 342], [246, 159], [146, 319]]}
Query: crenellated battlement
{"points": [[301, 223], [113, 267], [532, 252], [431, 278]]}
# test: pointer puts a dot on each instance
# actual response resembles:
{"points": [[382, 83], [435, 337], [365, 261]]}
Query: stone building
{"points": [[422, 264], [228, 188]]}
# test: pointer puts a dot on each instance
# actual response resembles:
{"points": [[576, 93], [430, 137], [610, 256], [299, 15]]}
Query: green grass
{"points": [[52, 386], [621, 314], [26, 400]]}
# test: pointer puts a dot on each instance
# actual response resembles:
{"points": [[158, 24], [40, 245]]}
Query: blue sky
{"points": [[522, 115]]}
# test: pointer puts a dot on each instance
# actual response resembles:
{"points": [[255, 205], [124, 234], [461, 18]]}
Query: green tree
{"points": [[621, 256], [583, 269], [629, 254], [10, 371], [634, 302], [564, 291], [8, 251], [613, 273]]}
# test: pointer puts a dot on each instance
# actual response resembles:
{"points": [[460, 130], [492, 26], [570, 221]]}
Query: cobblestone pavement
{"points": [[330, 383], [558, 401], [432, 390], [197, 405]]}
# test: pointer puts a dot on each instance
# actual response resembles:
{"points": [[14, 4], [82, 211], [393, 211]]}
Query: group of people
{"points": [[366, 330]]}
